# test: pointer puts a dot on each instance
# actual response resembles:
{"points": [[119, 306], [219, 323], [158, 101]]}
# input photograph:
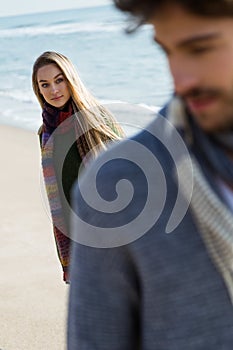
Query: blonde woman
{"points": [[75, 125]]}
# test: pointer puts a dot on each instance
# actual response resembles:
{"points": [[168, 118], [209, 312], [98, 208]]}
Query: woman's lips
{"points": [[57, 98]]}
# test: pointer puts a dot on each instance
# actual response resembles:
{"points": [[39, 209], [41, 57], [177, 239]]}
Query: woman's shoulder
{"points": [[39, 133], [40, 130]]}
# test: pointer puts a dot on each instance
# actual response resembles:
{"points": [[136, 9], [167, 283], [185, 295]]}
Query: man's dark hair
{"points": [[142, 10]]}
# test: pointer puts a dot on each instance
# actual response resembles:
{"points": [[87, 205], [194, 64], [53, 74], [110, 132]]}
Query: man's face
{"points": [[200, 55]]}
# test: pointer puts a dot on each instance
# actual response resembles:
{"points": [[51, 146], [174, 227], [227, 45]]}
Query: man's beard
{"points": [[227, 99]]}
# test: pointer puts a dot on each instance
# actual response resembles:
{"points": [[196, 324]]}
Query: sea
{"points": [[119, 69]]}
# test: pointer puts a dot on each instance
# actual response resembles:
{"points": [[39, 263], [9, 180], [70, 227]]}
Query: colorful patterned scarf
{"points": [[58, 122]]}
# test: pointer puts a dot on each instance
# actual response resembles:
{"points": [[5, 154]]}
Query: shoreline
{"points": [[33, 297], [131, 116]]}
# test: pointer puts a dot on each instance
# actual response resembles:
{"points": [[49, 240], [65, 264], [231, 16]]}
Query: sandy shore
{"points": [[33, 298]]}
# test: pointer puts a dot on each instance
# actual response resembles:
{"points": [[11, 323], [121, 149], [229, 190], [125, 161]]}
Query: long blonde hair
{"points": [[96, 122]]}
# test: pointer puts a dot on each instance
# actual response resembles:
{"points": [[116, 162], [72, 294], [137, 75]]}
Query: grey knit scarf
{"points": [[213, 217]]}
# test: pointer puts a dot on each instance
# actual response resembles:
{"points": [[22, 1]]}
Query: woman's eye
{"points": [[44, 85], [59, 80]]}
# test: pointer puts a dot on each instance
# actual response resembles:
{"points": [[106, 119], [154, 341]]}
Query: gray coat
{"points": [[159, 292]]}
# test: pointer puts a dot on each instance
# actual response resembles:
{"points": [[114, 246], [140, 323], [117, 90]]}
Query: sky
{"points": [[18, 7]]}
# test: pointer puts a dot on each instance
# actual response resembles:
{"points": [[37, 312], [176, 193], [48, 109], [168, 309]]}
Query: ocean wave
{"points": [[58, 29], [143, 105], [20, 26], [27, 96], [22, 96]]}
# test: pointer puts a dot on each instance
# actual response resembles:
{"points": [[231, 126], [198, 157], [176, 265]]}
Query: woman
{"points": [[74, 127]]}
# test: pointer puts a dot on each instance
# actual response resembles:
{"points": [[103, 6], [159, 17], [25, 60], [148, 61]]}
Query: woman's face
{"points": [[53, 85]]}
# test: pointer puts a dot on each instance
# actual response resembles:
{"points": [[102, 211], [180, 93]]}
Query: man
{"points": [[166, 283]]}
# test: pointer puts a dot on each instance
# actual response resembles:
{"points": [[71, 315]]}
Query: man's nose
{"points": [[185, 77]]}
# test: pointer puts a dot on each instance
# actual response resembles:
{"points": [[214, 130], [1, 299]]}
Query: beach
{"points": [[33, 297]]}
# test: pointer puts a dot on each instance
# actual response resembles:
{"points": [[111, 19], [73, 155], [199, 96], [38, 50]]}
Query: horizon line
{"points": [[57, 10]]}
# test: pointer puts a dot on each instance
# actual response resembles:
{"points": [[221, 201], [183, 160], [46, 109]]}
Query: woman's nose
{"points": [[54, 88]]}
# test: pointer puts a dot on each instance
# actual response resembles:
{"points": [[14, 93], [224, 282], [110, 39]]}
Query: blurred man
{"points": [[153, 269]]}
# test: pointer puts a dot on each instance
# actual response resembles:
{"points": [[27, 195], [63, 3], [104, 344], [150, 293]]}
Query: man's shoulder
{"points": [[133, 149]]}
